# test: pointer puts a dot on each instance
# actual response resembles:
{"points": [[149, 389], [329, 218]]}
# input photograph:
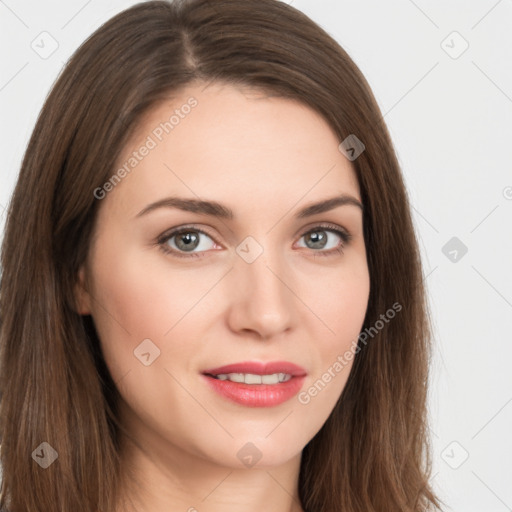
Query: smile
{"points": [[251, 378], [255, 383]]}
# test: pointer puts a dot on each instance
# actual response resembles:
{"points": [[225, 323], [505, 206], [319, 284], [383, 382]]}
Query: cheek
{"points": [[348, 305], [339, 300], [132, 302], [138, 296], [133, 288]]}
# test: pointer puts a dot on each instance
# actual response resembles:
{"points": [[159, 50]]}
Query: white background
{"points": [[451, 121]]}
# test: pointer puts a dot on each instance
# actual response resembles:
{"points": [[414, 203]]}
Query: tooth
{"points": [[236, 377], [270, 379], [250, 378]]}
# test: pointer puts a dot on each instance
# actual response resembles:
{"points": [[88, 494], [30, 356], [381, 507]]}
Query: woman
{"points": [[212, 294]]}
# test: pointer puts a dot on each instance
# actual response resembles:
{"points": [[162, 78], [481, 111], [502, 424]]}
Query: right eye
{"points": [[187, 240]]}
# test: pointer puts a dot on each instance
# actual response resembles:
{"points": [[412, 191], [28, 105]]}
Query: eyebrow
{"points": [[215, 209]]}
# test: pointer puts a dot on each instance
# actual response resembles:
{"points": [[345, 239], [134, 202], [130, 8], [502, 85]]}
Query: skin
{"points": [[265, 158]]}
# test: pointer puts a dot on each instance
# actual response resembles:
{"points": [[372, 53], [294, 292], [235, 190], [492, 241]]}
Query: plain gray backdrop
{"points": [[442, 74]]}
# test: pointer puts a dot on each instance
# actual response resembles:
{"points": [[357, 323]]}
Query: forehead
{"points": [[233, 144]]}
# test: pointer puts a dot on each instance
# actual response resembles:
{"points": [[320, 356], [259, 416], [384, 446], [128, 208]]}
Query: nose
{"points": [[261, 298]]}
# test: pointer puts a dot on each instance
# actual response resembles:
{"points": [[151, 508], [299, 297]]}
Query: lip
{"points": [[257, 395], [259, 368]]}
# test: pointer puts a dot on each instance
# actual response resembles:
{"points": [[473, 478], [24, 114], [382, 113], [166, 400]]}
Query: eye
{"points": [[188, 238], [318, 238]]}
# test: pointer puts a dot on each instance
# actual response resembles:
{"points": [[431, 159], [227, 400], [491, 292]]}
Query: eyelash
{"points": [[345, 236]]}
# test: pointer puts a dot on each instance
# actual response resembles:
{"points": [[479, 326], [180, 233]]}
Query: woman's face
{"points": [[254, 287]]}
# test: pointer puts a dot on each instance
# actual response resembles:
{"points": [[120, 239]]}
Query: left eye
{"points": [[188, 239], [319, 238]]}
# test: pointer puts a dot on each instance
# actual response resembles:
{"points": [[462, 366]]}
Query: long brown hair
{"points": [[372, 454]]}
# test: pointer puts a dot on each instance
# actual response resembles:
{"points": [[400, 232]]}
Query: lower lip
{"points": [[257, 395]]}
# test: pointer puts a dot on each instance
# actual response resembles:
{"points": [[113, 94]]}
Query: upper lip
{"points": [[259, 368]]}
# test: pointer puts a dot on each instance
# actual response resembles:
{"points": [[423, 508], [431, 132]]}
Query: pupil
{"points": [[187, 239], [317, 239]]}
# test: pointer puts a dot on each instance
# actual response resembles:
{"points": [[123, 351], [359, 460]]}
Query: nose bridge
{"points": [[264, 300]]}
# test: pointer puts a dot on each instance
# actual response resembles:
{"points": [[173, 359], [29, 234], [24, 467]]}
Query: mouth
{"points": [[252, 378], [256, 384]]}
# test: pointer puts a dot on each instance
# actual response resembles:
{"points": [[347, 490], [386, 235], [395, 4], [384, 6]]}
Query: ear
{"points": [[82, 297]]}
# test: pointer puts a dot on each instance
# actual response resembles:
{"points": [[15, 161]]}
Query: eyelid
{"points": [[167, 235], [183, 229], [342, 232], [329, 226]]}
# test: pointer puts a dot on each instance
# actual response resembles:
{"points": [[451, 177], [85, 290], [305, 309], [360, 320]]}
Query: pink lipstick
{"points": [[257, 384]]}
